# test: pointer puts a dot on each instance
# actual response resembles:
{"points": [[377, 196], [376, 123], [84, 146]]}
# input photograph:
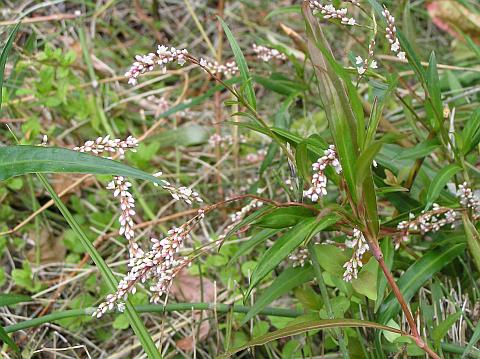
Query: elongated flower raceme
{"points": [[105, 145], [160, 265], [359, 245], [391, 34], [469, 200], [319, 179], [266, 54], [330, 12]]}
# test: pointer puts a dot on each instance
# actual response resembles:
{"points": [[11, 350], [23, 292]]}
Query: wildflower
{"points": [[160, 265], [469, 199], [106, 145], [266, 54], [368, 63], [181, 193], [319, 179], [359, 245], [391, 34], [229, 69], [330, 12], [300, 257], [163, 56], [427, 222]]}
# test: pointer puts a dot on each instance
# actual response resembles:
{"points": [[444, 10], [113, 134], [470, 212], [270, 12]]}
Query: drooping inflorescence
{"points": [[368, 63], [359, 245], [163, 56], [426, 222], [105, 145], [160, 265], [229, 69], [330, 12], [266, 54], [391, 34], [468, 199], [319, 179]]}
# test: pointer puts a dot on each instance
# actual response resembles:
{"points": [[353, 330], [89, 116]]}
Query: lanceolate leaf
{"points": [[11, 299], [289, 279], [439, 182], [441, 330], [4, 56], [20, 160], [421, 271], [283, 246], [7, 340], [255, 240], [423, 149], [299, 328], [242, 65]]}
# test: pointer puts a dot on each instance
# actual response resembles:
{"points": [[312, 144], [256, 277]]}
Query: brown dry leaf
{"points": [[52, 249], [450, 16], [187, 288]]}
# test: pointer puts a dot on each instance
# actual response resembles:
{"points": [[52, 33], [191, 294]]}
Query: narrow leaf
{"points": [[299, 328], [440, 180], [285, 282], [11, 299], [7, 340], [4, 56], [242, 65]]}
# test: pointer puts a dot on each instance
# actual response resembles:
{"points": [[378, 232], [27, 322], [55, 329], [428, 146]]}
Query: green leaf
{"points": [[247, 220], [433, 86], [283, 246], [20, 160], [294, 9], [418, 273], [11, 299], [440, 180], [473, 239], [471, 344], [471, 133], [4, 56], [421, 150], [441, 330], [302, 327], [365, 160], [242, 65], [285, 282], [7, 340], [255, 240], [283, 217]]}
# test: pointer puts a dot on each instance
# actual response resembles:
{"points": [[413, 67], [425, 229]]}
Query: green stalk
{"points": [[134, 319], [152, 308], [325, 297]]}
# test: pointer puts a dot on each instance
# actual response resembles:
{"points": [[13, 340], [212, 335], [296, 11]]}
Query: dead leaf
{"points": [[452, 17], [52, 249], [188, 288]]}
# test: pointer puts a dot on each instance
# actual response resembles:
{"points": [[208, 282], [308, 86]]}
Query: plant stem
{"points": [[152, 308], [377, 253], [326, 299]]}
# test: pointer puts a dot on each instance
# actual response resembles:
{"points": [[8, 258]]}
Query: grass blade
{"points": [[11, 299], [242, 65], [439, 182], [289, 279], [299, 328], [4, 56]]}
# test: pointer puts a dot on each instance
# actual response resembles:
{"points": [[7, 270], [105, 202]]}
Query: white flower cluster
{"points": [[319, 179], [368, 63], [391, 34], [256, 157], [105, 144], [359, 245], [300, 257], [430, 221], [266, 54], [468, 199], [229, 69], [163, 56], [239, 215], [160, 264], [181, 193], [330, 12], [217, 139], [121, 189]]}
